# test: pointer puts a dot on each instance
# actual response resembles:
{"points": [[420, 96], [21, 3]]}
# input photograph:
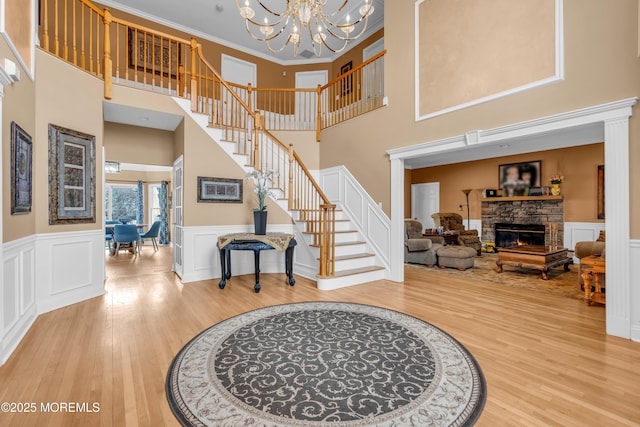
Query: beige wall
{"points": [[305, 144], [465, 46], [135, 144], [18, 105], [601, 66], [71, 99], [578, 165], [17, 19], [202, 157]]}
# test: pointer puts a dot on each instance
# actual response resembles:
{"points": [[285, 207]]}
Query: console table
{"points": [[256, 243]]}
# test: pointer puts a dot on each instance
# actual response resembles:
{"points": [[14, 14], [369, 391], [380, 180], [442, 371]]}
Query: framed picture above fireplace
{"points": [[515, 179]]}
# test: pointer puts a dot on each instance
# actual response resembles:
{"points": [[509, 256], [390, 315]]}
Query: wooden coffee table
{"points": [[530, 256]]}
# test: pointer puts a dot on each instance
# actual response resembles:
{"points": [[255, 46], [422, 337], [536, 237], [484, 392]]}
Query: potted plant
{"points": [[556, 180], [261, 180]]}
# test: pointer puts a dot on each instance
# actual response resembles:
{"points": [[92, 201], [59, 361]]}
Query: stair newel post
{"points": [[319, 114], [327, 247], [107, 62], [249, 92], [290, 176], [194, 81], [257, 121]]}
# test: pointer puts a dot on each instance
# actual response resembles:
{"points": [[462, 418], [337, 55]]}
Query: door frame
{"points": [[608, 123]]}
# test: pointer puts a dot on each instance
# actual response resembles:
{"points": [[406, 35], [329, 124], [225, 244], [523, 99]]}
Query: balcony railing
{"points": [[128, 54]]}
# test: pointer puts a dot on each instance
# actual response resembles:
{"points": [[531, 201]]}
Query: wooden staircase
{"points": [[354, 261]]}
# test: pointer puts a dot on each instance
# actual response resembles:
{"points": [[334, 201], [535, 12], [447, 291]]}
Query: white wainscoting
{"points": [[634, 302], [341, 187], [45, 272], [19, 309], [575, 232], [70, 268], [202, 258]]}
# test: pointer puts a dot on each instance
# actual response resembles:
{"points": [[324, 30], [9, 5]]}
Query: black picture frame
{"points": [[72, 176], [600, 193], [515, 179], [21, 170], [219, 190], [347, 81]]}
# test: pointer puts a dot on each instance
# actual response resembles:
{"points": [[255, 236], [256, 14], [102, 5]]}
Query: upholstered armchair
{"points": [[586, 248], [451, 221], [417, 248]]}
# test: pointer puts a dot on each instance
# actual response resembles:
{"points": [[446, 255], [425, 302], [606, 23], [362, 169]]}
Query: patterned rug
{"points": [[325, 364], [561, 283]]}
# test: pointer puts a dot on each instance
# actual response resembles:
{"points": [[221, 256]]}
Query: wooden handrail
{"points": [[186, 59], [222, 81], [358, 68], [324, 198]]}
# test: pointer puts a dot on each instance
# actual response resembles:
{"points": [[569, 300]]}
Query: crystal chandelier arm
{"points": [[330, 28], [263, 37]]}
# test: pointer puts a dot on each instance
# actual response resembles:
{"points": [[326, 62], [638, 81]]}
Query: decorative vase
{"points": [[555, 189], [260, 222]]}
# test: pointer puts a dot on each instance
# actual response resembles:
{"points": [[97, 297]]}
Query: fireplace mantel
{"points": [[520, 198]]}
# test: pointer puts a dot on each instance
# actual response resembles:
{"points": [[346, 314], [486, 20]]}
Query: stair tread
{"points": [[353, 256], [353, 271], [357, 242], [337, 232]]}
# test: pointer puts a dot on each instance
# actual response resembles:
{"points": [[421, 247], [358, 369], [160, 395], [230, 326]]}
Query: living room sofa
{"points": [[417, 248]]}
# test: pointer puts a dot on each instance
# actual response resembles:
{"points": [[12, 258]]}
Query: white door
{"points": [[425, 200], [178, 255], [242, 73], [307, 103], [373, 74]]}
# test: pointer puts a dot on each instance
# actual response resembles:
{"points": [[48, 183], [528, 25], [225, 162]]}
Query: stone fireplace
{"points": [[508, 235], [535, 212]]}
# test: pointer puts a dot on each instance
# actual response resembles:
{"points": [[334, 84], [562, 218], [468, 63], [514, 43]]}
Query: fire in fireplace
{"points": [[508, 235]]}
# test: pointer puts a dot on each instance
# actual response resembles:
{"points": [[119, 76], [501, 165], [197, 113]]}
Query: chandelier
{"points": [[332, 29]]}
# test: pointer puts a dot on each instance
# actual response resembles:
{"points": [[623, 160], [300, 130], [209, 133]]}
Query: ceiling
{"points": [[220, 22]]}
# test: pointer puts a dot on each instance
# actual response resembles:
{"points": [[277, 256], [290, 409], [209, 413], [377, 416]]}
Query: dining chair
{"points": [[126, 233], [152, 234], [108, 233]]}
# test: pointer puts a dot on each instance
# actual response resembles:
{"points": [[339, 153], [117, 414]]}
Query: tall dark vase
{"points": [[260, 222]]}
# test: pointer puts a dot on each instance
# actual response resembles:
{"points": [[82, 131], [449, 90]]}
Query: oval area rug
{"points": [[325, 364]]}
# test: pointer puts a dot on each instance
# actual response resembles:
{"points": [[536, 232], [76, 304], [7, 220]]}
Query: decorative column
{"points": [[616, 181], [396, 260]]}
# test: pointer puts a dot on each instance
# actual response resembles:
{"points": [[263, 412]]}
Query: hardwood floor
{"points": [[546, 359]]}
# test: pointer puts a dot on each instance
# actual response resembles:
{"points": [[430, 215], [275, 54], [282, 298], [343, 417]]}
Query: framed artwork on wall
{"points": [[600, 194], [219, 190], [72, 172], [152, 54], [347, 81], [21, 173], [515, 179]]}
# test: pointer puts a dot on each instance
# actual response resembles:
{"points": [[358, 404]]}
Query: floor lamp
{"points": [[466, 193]]}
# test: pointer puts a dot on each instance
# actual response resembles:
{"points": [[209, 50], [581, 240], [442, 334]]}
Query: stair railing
{"points": [[159, 62]]}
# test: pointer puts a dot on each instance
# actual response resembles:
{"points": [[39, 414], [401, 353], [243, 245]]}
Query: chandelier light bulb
{"points": [[366, 9], [246, 11]]}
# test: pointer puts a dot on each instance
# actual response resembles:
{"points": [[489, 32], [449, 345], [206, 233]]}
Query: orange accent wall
{"points": [[579, 165]]}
